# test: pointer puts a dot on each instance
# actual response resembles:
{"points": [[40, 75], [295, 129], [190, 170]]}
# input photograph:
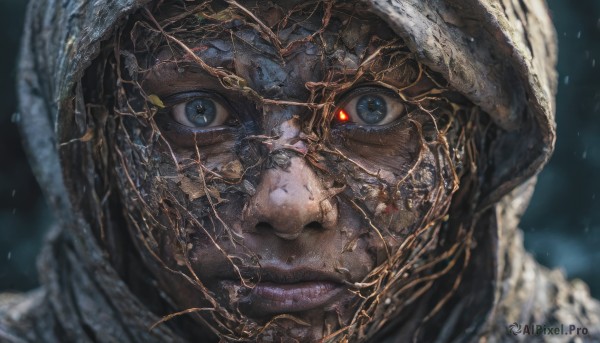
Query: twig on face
{"points": [[368, 220], [265, 29]]}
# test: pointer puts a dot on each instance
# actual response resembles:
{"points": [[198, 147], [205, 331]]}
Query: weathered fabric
{"points": [[501, 54]]}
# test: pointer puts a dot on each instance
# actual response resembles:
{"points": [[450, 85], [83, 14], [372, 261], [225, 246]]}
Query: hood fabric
{"points": [[501, 54]]}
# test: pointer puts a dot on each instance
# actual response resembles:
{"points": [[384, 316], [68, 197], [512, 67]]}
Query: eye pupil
{"points": [[201, 112], [371, 108]]}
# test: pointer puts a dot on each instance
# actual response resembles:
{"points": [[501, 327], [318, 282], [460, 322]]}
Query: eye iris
{"points": [[201, 112], [371, 108]]}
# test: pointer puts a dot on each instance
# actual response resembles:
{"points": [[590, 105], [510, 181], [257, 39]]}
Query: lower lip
{"points": [[269, 298]]}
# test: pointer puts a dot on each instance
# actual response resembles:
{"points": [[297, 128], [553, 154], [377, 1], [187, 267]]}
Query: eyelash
{"points": [[347, 112], [176, 108], [185, 134]]}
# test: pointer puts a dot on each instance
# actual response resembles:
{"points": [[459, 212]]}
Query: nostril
{"points": [[263, 226], [338, 184], [314, 226]]}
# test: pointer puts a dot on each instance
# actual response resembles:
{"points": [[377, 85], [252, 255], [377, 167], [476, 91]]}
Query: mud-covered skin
{"points": [[290, 187], [500, 54]]}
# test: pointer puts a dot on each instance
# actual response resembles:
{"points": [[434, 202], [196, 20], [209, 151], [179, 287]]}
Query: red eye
{"points": [[342, 116]]}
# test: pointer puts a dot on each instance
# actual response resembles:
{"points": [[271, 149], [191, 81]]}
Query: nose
{"points": [[289, 202]]}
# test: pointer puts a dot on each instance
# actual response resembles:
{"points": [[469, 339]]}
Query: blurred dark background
{"points": [[562, 225]]}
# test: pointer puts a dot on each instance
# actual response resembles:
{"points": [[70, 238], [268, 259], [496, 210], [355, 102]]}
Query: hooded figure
{"points": [[290, 171]]}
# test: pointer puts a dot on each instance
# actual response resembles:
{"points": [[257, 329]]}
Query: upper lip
{"points": [[280, 275]]}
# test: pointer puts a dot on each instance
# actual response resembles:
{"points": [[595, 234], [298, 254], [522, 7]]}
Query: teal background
{"points": [[562, 225]]}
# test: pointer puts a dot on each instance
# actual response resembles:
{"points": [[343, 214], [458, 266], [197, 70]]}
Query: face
{"points": [[286, 170]]}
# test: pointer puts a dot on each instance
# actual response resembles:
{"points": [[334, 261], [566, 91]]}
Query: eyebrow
{"points": [[188, 65], [169, 77]]}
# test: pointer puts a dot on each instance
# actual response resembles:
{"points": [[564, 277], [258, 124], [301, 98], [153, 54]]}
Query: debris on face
{"points": [[232, 170], [289, 81], [193, 188], [380, 209], [279, 159], [248, 187]]}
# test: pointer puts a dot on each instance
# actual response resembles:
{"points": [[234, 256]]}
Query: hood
{"points": [[500, 54]]}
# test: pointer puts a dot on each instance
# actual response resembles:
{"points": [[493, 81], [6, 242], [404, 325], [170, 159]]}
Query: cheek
{"points": [[166, 192], [417, 200], [409, 191], [392, 153]]}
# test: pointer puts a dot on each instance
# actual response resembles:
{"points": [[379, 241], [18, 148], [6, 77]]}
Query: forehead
{"points": [[276, 48]]}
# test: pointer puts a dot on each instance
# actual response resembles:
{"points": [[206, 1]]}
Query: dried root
{"points": [[190, 191]]}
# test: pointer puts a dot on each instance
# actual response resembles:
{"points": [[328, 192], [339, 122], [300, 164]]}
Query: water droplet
{"points": [[9, 254], [15, 118], [14, 210], [593, 63], [578, 34], [14, 191], [567, 79], [584, 155]]}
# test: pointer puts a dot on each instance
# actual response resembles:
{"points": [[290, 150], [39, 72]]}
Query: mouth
{"points": [[289, 290]]}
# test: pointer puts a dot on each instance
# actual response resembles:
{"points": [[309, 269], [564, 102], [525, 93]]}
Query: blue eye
{"points": [[370, 106], [372, 109], [201, 112]]}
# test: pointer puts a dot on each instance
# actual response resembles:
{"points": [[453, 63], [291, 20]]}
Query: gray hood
{"points": [[500, 54]]}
